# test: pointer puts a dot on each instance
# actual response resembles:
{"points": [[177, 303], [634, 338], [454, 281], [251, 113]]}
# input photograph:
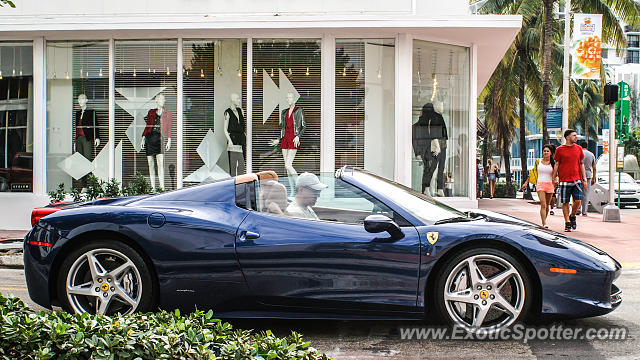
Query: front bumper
{"points": [[580, 295]]}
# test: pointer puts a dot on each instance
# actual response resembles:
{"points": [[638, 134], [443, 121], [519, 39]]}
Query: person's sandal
{"points": [[567, 226], [574, 224]]}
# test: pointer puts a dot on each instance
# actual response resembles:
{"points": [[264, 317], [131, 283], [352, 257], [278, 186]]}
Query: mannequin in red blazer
{"points": [[157, 129]]}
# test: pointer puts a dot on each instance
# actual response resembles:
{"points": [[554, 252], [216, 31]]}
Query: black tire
{"points": [[136, 281], [456, 313]]}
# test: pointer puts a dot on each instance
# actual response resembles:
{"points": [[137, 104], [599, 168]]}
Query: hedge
{"points": [[501, 190], [26, 334]]}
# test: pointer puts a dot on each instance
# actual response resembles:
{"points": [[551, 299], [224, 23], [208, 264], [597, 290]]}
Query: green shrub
{"points": [[138, 186], [501, 190], [25, 334], [58, 194], [112, 188], [94, 188]]}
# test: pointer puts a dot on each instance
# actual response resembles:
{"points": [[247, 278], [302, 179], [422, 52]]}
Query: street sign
{"points": [[623, 111], [624, 90], [605, 141], [620, 159], [554, 119]]}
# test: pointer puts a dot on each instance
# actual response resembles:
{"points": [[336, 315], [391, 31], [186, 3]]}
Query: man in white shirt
{"points": [[308, 188]]}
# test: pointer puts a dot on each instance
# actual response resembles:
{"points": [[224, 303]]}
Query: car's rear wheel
{"points": [[105, 277], [483, 289]]}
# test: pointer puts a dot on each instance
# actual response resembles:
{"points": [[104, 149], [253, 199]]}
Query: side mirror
{"points": [[379, 223]]}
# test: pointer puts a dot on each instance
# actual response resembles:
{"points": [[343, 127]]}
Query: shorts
{"points": [[546, 186], [492, 177], [570, 189]]}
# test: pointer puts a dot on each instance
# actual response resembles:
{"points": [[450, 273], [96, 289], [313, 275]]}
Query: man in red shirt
{"points": [[569, 173]]}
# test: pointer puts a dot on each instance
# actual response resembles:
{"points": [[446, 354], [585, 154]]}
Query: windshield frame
{"points": [[416, 204]]}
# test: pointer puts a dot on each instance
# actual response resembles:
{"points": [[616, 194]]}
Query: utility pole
{"points": [[565, 81]]}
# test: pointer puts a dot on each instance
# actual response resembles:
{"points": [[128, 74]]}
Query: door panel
{"points": [[310, 263]]}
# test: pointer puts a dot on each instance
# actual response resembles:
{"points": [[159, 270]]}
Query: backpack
{"points": [[533, 173]]}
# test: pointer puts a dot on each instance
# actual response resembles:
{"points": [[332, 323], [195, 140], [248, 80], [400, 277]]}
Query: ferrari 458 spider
{"points": [[350, 245]]}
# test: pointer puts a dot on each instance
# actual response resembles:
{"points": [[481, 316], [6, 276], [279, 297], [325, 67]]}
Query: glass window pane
{"points": [[286, 107], [365, 105], [440, 119], [214, 109], [77, 113], [326, 198], [16, 117], [145, 76]]}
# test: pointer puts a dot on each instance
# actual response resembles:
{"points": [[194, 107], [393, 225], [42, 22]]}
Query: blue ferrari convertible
{"points": [[351, 245]]}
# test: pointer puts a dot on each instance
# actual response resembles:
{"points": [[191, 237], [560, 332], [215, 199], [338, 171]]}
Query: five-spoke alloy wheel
{"points": [[105, 277], [483, 289]]}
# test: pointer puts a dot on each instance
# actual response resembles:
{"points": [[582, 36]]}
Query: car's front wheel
{"points": [[483, 289], [105, 277]]}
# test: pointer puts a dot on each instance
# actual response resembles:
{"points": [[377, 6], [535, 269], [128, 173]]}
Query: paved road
{"points": [[364, 340]]}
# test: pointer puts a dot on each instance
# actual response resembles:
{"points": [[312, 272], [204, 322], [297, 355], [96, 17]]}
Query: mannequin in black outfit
{"points": [[234, 130], [87, 137], [430, 127]]}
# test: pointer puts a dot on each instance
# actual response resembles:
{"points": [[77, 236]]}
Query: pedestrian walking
{"points": [[492, 175], [571, 177], [541, 177], [589, 163], [480, 177]]}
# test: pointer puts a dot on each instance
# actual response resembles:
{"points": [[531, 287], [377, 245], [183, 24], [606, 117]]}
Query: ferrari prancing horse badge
{"points": [[432, 237]]}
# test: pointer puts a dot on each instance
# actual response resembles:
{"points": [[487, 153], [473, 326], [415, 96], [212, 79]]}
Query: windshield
{"points": [[421, 206], [624, 178]]}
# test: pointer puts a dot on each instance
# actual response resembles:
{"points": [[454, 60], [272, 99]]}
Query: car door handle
{"points": [[248, 235]]}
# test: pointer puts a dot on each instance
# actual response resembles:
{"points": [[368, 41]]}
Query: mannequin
{"points": [[234, 130], [86, 129], [430, 144], [159, 121], [292, 126]]}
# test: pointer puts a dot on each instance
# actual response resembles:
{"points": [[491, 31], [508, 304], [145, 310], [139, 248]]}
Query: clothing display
{"points": [[86, 132], [86, 124], [156, 128], [292, 124], [236, 128], [430, 127]]}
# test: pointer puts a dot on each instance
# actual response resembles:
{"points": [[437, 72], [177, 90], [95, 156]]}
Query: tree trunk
{"points": [[506, 154], [547, 44], [523, 142], [486, 148], [586, 130]]}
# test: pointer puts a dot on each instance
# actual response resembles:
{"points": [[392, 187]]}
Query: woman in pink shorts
{"points": [[541, 174]]}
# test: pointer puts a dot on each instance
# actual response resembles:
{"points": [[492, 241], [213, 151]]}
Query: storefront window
{"points": [[286, 107], [145, 78], [16, 117], [440, 119], [77, 113], [365, 99], [214, 109]]}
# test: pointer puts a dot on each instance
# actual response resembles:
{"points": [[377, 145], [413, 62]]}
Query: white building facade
{"points": [[82, 86]]}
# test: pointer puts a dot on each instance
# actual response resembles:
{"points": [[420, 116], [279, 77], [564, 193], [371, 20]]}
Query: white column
{"points": [[328, 105], [39, 116], [112, 109], [403, 107], [248, 120], [473, 122], [180, 111]]}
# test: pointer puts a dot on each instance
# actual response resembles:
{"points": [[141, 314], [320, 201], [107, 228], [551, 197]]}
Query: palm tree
{"points": [[590, 105], [501, 117], [613, 11]]}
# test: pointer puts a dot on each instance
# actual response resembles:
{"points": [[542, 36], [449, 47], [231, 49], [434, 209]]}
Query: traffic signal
{"points": [[610, 93]]}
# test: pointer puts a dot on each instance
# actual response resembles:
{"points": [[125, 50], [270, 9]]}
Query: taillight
{"points": [[39, 213]]}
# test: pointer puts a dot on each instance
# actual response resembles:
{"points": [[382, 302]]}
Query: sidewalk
{"points": [[620, 240], [6, 235]]}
